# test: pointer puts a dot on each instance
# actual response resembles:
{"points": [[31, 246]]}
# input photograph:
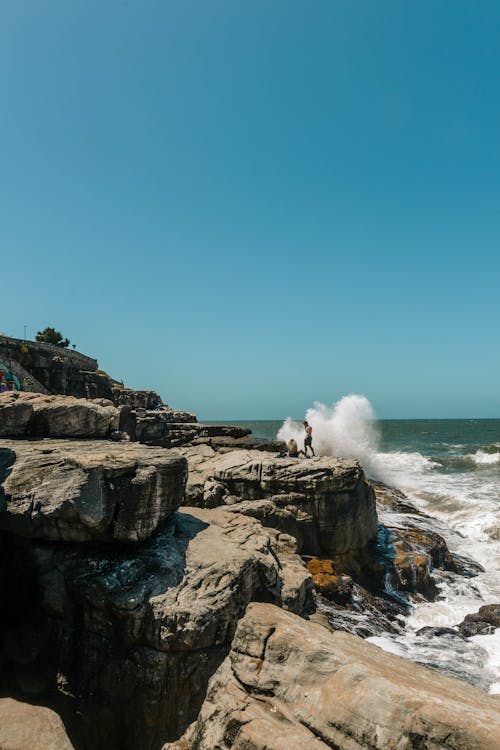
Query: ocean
{"points": [[450, 469]]}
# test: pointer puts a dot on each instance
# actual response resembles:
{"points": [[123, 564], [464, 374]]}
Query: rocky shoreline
{"points": [[178, 585]]}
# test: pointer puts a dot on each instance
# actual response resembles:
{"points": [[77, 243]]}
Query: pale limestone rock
{"points": [[325, 502], [26, 727], [87, 490], [288, 683], [39, 415]]}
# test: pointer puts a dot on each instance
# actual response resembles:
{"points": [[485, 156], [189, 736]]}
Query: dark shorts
{"points": [[308, 441]]}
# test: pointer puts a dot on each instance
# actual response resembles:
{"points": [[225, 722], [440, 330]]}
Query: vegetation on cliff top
{"points": [[51, 336]]}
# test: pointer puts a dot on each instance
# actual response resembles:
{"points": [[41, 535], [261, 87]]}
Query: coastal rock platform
{"points": [[291, 684], [325, 502]]}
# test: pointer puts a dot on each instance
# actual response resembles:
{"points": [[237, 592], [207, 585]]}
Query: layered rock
{"points": [[26, 727], [38, 415], [138, 630], [87, 490], [369, 594], [171, 428], [135, 399], [324, 502], [47, 368], [288, 683]]}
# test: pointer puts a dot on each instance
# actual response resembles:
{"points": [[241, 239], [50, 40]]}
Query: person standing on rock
{"points": [[308, 439]]}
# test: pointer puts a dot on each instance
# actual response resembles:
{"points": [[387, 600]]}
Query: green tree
{"points": [[51, 336]]}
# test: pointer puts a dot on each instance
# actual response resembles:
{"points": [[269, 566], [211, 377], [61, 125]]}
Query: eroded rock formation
{"points": [[71, 490], [37, 415], [291, 684], [324, 502], [119, 606], [137, 630]]}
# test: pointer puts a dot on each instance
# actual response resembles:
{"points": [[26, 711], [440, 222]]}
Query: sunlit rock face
{"points": [[70, 490], [290, 683], [324, 502]]}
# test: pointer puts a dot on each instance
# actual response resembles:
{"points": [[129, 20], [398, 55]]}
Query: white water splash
{"points": [[463, 500], [346, 429]]}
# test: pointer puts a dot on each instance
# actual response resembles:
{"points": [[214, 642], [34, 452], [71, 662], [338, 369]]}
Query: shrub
{"points": [[51, 336]]}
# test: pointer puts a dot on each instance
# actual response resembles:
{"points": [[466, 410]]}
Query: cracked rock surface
{"points": [[25, 414], [324, 502], [69, 490], [288, 683], [139, 629]]}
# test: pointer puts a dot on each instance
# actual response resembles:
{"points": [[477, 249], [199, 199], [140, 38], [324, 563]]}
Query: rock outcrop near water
{"points": [[87, 490], [145, 557], [291, 684], [483, 622], [37, 415], [34, 415], [325, 503]]}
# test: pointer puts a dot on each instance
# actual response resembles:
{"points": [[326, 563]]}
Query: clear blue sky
{"points": [[252, 205]]}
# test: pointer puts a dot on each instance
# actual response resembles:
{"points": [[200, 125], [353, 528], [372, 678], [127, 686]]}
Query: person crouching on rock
{"points": [[308, 439], [293, 449]]}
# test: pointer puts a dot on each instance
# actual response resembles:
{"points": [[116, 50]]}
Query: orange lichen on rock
{"points": [[328, 583]]}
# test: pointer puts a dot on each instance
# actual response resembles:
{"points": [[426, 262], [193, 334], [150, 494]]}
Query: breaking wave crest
{"points": [[345, 429], [457, 483], [348, 429]]}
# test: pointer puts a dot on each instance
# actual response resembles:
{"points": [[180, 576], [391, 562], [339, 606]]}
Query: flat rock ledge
{"points": [[69, 490], [324, 502], [288, 683]]}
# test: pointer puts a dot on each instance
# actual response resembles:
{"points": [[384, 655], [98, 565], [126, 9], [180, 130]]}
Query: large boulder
{"points": [[39, 415], [69, 490], [26, 727], [139, 630], [324, 502], [288, 683]]}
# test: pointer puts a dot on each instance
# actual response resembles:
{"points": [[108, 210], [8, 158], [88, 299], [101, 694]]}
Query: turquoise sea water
{"points": [[450, 469]]}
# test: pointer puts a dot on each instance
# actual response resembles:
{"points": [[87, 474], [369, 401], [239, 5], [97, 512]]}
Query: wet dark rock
{"points": [[394, 500], [483, 622], [438, 632], [466, 567]]}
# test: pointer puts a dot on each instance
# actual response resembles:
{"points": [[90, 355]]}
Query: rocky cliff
{"points": [[291, 684], [127, 567]]}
